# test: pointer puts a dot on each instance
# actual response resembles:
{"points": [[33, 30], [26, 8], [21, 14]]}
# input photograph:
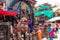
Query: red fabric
{"points": [[12, 13], [52, 33], [7, 13]]}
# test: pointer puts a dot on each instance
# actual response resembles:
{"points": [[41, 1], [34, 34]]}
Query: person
{"points": [[30, 29], [29, 14], [30, 26], [57, 26], [45, 30], [19, 29], [38, 33], [24, 28]]}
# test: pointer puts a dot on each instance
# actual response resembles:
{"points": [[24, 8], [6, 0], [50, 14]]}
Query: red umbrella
{"points": [[2, 13], [7, 13], [12, 13]]}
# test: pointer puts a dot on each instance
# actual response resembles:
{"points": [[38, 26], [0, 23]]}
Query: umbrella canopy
{"points": [[23, 19], [2, 13], [12, 13], [48, 13], [54, 19], [7, 13]]}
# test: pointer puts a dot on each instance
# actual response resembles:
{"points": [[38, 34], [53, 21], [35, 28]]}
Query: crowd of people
{"points": [[23, 28]]}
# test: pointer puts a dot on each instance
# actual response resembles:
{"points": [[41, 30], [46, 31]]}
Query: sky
{"points": [[52, 2]]}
